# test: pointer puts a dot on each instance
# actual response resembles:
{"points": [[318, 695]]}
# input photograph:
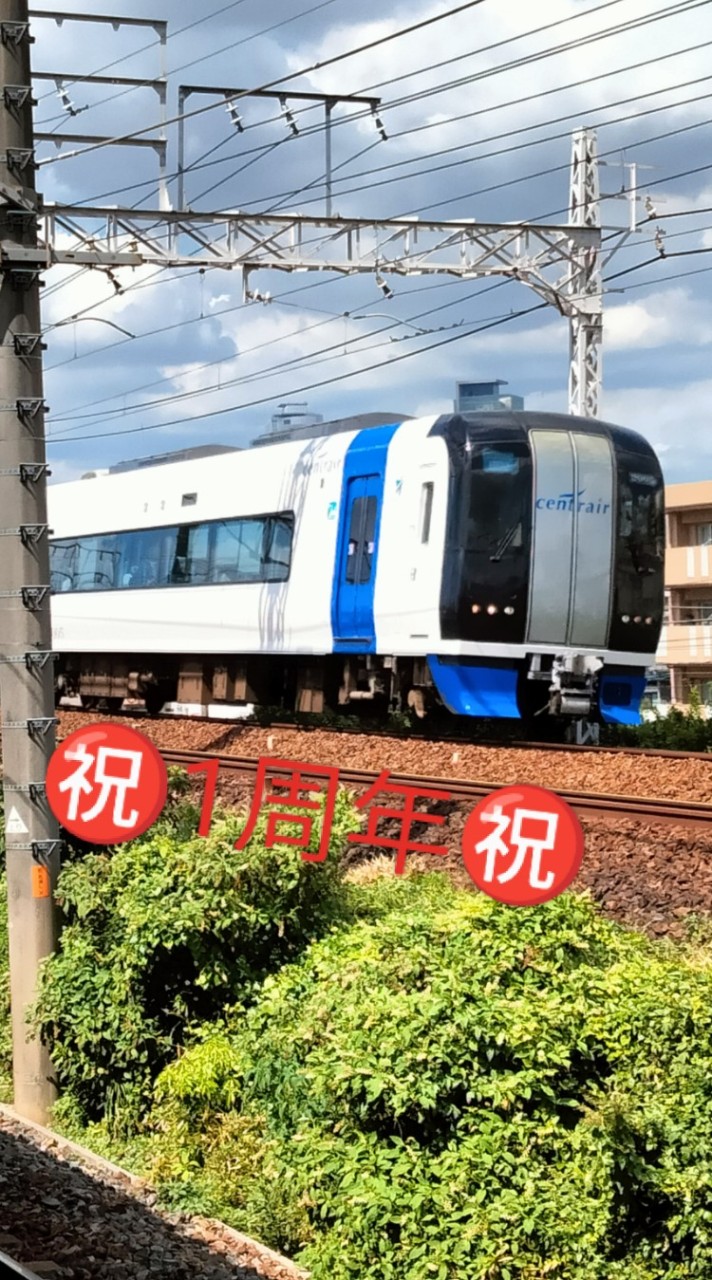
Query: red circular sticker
{"points": [[522, 845], [106, 784]]}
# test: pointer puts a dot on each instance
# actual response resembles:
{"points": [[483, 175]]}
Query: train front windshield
{"points": [[575, 559], [490, 549], [639, 553]]}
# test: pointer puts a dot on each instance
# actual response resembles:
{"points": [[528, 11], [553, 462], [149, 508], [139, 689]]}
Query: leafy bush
{"points": [[679, 730], [164, 932], [451, 1088]]}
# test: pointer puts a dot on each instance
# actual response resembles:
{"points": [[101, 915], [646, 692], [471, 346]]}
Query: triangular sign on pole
{"points": [[14, 825]]}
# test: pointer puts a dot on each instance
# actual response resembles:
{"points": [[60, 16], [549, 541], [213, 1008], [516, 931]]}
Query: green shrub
{"points": [[679, 730], [163, 932], [450, 1088]]}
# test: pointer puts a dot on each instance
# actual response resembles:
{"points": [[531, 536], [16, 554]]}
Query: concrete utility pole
{"points": [[26, 684]]}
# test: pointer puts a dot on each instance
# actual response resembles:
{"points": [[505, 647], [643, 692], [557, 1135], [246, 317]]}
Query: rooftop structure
{"points": [[474, 397]]}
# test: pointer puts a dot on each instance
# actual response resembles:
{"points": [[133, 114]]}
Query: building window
{"points": [[704, 535], [251, 549], [694, 611]]}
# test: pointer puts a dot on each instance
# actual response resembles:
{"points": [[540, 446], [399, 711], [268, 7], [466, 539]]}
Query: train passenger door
{"points": [[572, 539], [354, 616]]}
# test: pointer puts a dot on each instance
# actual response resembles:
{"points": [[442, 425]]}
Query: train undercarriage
{"points": [[557, 697]]}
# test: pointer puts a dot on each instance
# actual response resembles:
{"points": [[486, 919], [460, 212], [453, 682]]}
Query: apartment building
{"points": [[686, 639]]}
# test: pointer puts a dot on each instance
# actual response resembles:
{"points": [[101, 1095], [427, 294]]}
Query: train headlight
{"points": [[509, 610], [492, 609], [476, 608], [649, 622]]}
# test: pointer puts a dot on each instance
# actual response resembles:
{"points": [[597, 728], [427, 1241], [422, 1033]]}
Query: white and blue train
{"points": [[497, 564]]}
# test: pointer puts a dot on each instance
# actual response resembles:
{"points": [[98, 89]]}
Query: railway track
{"points": [[137, 713], [585, 803], [11, 1270]]}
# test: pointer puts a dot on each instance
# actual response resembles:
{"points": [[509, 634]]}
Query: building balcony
{"points": [[685, 645], [688, 566]]}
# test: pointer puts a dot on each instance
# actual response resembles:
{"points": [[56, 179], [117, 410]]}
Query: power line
{"points": [[541, 124], [679, 253], [445, 306], [333, 317], [296, 75], [310, 357], [311, 386], [208, 364], [323, 355], [544, 173], [208, 17], [278, 298], [675, 10], [410, 212], [197, 166], [684, 213], [393, 79], [300, 111], [511, 182], [678, 275], [236, 44]]}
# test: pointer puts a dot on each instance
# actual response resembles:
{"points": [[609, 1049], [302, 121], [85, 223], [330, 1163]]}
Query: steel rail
{"points": [[454, 740], [12, 1270], [586, 803]]}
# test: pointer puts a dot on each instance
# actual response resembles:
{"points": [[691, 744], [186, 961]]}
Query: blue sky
{"points": [[197, 348]]}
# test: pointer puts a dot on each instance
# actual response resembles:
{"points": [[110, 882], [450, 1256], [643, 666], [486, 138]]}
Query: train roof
{"points": [[503, 423], [162, 459], [357, 422]]}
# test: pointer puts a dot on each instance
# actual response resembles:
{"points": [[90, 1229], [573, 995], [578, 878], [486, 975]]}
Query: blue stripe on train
{"points": [[619, 697], [352, 604], [475, 689]]}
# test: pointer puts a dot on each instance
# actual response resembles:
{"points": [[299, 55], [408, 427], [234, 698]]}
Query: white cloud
{"points": [[665, 331], [667, 318]]}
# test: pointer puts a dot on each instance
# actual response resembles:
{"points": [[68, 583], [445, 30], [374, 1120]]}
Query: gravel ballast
{"points": [[71, 1216], [600, 771]]}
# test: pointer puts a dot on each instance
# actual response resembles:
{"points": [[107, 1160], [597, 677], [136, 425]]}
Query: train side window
{"points": [[353, 551], [369, 540], [426, 510], [251, 536], [198, 553], [277, 549], [237, 551], [361, 544], [62, 561], [95, 564], [148, 557], [253, 549]]}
